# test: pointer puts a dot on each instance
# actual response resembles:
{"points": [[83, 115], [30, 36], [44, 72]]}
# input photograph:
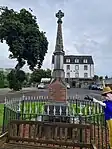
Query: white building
{"points": [[77, 68]]}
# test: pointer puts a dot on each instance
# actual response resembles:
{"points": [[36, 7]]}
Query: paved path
{"points": [[5, 91], [35, 92]]}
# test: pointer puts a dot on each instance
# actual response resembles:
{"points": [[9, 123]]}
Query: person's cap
{"points": [[106, 90]]}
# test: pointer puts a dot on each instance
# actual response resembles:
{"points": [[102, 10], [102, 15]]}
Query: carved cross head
{"points": [[59, 15]]}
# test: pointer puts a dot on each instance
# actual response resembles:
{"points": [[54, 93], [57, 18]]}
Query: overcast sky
{"points": [[87, 29]]}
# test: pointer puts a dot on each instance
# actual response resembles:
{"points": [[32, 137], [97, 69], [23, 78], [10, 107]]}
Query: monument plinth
{"points": [[57, 87]]}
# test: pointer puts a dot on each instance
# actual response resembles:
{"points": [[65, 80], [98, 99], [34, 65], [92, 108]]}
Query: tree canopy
{"points": [[106, 77], [2, 79], [16, 78], [27, 44], [95, 78], [101, 78], [37, 75]]}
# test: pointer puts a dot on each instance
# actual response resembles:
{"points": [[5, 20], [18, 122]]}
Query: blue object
{"points": [[108, 109]]}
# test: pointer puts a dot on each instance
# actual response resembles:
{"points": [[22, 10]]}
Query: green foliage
{"points": [[37, 75], [95, 78], [38, 108], [106, 77], [1, 114], [27, 82], [40, 73], [101, 78], [85, 110], [92, 113], [2, 78], [16, 79], [48, 73], [20, 75], [26, 42], [34, 107]]}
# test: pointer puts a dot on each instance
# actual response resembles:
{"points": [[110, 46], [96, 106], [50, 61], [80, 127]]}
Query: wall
{"points": [[81, 70]]}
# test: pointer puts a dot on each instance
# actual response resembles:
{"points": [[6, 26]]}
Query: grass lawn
{"points": [[1, 114], [85, 109], [93, 113], [32, 109], [38, 108]]}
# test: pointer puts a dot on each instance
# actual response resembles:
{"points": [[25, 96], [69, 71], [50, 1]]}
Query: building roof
{"points": [[73, 59]]}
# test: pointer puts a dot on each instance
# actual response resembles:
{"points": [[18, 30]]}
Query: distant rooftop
{"points": [[76, 59]]}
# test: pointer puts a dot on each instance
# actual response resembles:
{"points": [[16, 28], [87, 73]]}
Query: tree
{"points": [[106, 77], [48, 73], [38, 74], [16, 79], [101, 78], [27, 44], [2, 78], [95, 78]]}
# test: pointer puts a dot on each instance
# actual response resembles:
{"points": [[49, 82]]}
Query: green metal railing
{"points": [[80, 111]]}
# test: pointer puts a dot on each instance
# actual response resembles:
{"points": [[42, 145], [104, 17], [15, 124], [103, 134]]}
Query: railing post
{"points": [[81, 133], [19, 111], [22, 107], [18, 115], [4, 117]]}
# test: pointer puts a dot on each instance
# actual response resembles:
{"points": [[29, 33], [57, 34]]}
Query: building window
{"points": [[67, 60], [76, 60], [76, 75], [68, 75], [85, 61], [85, 75], [76, 67], [85, 67], [68, 67]]}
